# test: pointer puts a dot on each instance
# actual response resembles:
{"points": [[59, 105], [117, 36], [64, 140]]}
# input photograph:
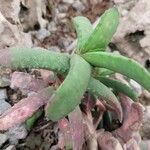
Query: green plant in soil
{"points": [[80, 69]]}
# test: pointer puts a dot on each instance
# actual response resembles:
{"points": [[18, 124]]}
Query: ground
{"points": [[47, 24]]}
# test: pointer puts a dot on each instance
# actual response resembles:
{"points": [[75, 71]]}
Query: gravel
{"points": [[42, 34], [3, 94], [16, 133], [11, 147], [3, 139]]}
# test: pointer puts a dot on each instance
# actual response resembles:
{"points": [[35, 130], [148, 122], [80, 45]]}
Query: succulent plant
{"points": [[87, 71]]}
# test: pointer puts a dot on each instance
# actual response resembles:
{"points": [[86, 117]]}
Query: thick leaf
{"points": [[72, 130], [119, 86], [99, 89], [64, 127], [108, 142], [102, 72], [104, 31], [24, 109], [83, 28], [88, 102], [26, 82], [70, 92], [120, 64], [107, 121], [34, 58], [77, 128], [31, 121], [133, 116]]}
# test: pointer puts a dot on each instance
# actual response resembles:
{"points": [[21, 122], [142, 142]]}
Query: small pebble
{"points": [[4, 81], [63, 8], [52, 27], [78, 6], [11, 147], [42, 34], [16, 133], [3, 139], [68, 1], [4, 106], [61, 15], [3, 94], [54, 48]]}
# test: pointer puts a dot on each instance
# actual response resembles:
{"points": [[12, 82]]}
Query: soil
{"points": [[44, 135]]}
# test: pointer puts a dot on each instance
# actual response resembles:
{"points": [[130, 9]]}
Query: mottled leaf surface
{"points": [[120, 64], [103, 32], [84, 29]]}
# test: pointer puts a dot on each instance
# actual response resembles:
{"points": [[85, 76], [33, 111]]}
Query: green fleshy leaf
{"points": [[31, 121], [83, 28], [70, 92], [97, 88], [103, 32], [119, 87], [120, 64]]}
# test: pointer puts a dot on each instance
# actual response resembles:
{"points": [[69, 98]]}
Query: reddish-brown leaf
{"points": [[24, 109]]}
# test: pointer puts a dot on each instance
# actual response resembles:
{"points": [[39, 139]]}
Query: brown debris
{"points": [[24, 109]]}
